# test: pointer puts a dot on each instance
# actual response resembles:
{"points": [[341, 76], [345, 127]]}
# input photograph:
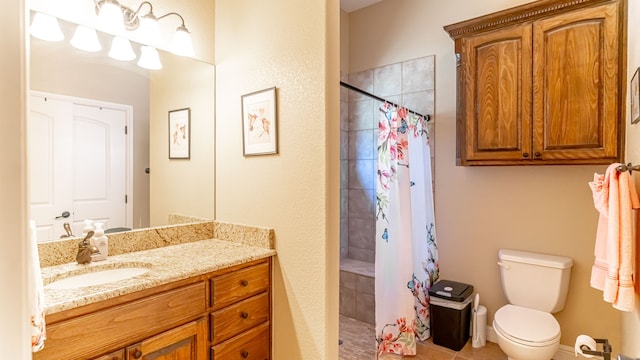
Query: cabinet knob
{"points": [[245, 354], [525, 155], [244, 315], [537, 154], [244, 282], [137, 354]]}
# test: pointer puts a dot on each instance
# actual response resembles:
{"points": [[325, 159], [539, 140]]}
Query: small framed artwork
{"points": [[259, 123], [180, 133], [635, 98]]}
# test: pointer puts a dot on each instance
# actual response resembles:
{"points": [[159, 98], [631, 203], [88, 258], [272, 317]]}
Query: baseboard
{"points": [[491, 334], [564, 352]]}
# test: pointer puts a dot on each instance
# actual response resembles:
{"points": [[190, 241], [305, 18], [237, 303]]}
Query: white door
{"points": [[99, 160], [49, 130], [77, 166]]}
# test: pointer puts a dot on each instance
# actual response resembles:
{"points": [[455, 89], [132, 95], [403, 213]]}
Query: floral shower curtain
{"points": [[406, 263]]}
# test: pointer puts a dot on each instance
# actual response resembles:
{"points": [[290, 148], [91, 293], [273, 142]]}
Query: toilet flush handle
{"points": [[505, 266]]}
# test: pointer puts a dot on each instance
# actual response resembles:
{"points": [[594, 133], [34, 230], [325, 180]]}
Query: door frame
{"points": [[128, 110]]}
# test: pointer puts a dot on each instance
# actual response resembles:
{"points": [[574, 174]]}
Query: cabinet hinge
{"points": [[126, 129], [126, 198], [458, 59]]}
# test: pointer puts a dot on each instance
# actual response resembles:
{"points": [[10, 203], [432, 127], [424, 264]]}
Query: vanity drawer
{"points": [[77, 338], [116, 355], [233, 287], [251, 345], [232, 320]]}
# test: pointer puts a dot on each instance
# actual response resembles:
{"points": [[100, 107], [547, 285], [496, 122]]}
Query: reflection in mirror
{"points": [[151, 189]]}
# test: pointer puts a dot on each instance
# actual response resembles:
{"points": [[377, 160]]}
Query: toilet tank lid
{"points": [[560, 262]]}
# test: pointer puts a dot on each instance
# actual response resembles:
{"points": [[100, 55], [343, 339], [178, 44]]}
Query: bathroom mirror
{"points": [[156, 186]]}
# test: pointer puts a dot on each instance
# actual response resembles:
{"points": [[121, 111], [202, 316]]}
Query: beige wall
{"points": [[14, 335], [14, 332], [182, 186], [481, 209], [292, 45], [631, 321], [344, 42]]}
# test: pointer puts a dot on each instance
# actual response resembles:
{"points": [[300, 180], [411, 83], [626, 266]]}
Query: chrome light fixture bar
{"points": [[146, 24]]}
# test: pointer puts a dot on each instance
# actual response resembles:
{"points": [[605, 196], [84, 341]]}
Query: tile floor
{"points": [[358, 343]]}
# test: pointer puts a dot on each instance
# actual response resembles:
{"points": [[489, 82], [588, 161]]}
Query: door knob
{"points": [[64, 215]]}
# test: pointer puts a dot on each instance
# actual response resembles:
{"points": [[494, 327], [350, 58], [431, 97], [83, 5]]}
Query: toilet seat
{"points": [[526, 326]]}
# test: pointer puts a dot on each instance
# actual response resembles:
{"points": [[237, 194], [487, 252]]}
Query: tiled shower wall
{"points": [[409, 83]]}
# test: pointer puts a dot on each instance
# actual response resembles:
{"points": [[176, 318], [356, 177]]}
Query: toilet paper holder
{"points": [[606, 349]]}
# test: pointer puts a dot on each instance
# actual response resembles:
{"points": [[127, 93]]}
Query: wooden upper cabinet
{"points": [[541, 84], [497, 106]]}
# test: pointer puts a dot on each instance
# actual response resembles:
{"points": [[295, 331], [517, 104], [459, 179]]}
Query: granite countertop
{"points": [[166, 264]]}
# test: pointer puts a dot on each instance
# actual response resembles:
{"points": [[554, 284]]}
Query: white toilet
{"points": [[536, 285]]}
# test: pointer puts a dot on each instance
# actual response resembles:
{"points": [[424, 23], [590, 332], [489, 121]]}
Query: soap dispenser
{"points": [[100, 241], [88, 226]]}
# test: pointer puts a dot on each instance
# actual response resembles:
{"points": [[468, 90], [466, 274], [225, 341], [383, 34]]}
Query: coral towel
{"points": [[614, 196]]}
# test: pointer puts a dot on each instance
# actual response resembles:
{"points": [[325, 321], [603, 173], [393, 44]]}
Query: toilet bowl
{"points": [[526, 334]]}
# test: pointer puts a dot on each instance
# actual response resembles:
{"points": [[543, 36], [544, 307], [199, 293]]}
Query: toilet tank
{"points": [[535, 280]]}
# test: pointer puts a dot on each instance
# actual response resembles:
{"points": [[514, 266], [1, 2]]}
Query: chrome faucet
{"points": [[85, 250]]}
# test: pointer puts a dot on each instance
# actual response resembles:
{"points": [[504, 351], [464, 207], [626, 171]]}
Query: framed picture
{"points": [[180, 133], [259, 120], [635, 98]]}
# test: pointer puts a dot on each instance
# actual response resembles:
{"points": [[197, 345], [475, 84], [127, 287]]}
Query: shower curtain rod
{"points": [[351, 87]]}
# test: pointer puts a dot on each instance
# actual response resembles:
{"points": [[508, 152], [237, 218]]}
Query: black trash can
{"points": [[450, 313]]}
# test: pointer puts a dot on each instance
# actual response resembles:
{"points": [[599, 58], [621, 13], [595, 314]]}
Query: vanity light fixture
{"points": [[117, 20], [45, 27], [145, 23]]}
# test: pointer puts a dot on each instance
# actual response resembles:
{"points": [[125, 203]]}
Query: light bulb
{"points": [[149, 58], [85, 38], [182, 44], [149, 31], [110, 18], [121, 49], [46, 27]]}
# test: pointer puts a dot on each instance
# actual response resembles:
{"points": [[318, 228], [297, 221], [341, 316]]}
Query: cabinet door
{"points": [[496, 95], [576, 111], [187, 342]]}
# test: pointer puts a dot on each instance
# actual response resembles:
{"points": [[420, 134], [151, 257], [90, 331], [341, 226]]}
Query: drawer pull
{"points": [[244, 283], [245, 354], [244, 315], [137, 354]]}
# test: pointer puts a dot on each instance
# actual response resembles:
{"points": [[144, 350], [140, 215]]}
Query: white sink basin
{"points": [[94, 278]]}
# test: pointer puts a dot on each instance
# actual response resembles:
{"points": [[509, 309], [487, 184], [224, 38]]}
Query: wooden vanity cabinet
{"points": [[542, 83], [222, 315]]}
